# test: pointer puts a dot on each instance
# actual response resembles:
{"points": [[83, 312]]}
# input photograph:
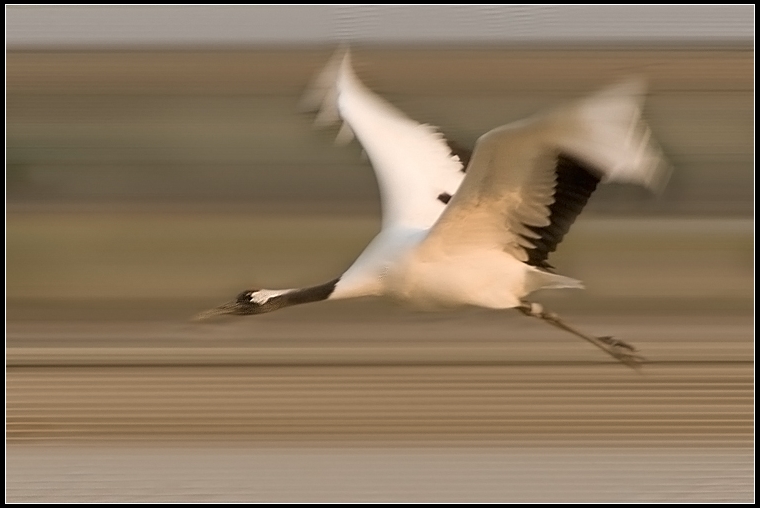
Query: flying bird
{"points": [[476, 228]]}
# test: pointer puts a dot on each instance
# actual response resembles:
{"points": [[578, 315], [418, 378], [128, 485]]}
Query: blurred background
{"points": [[157, 163]]}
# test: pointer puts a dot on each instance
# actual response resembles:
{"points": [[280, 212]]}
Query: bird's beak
{"points": [[227, 308]]}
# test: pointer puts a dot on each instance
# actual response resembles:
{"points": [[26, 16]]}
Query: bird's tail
{"points": [[607, 131], [536, 279], [322, 94]]}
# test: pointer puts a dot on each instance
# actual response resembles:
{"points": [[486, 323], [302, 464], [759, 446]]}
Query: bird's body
{"points": [[475, 229], [400, 265]]}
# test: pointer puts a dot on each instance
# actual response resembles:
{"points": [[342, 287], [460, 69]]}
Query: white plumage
{"points": [[480, 237]]}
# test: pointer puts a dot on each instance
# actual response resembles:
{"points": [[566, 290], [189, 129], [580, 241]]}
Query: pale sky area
{"points": [[32, 26]]}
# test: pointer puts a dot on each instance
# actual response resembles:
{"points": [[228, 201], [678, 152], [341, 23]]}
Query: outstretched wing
{"points": [[417, 171], [528, 181]]}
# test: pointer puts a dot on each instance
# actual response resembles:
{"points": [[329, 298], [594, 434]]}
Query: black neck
{"points": [[306, 295]]}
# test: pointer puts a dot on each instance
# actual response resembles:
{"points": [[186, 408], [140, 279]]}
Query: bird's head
{"points": [[250, 301]]}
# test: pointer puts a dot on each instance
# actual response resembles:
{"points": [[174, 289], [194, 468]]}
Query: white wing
{"points": [[528, 181], [415, 168]]}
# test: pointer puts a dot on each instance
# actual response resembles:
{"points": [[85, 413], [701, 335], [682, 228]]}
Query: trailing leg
{"points": [[618, 349]]}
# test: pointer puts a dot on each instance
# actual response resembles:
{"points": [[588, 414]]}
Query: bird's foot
{"points": [[613, 342], [622, 351]]}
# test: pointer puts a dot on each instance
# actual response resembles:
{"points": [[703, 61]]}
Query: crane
{"points": [[476, 228]]}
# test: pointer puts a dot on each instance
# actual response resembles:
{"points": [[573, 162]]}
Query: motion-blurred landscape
{"points": [[144, 185]]}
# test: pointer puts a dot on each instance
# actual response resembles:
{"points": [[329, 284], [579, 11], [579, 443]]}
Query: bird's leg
{"points": [[618, 349]]}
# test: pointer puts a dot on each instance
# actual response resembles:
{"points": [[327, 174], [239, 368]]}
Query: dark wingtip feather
{"points": [[575, 183]]}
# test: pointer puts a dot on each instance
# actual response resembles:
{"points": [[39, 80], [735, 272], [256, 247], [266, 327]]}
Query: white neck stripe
{"points": [[262, 296]]}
